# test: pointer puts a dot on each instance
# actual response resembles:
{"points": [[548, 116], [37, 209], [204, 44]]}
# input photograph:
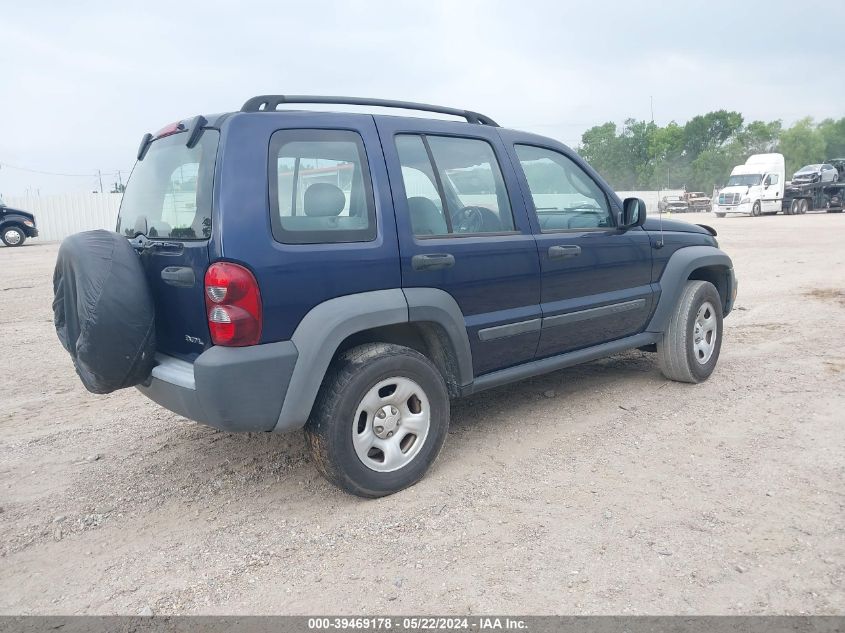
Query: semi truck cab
{"points": [[753, 188]]}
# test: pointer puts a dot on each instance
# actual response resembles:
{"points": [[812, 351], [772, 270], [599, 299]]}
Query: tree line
{"points": [[701, 153]]}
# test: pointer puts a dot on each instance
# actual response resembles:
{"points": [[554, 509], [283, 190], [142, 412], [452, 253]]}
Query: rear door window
{"points": [[320, 187], [454, 186], [169, 192]]}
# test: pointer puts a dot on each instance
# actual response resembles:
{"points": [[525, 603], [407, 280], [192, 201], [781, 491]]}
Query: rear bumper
{"points": [[239, 389]]}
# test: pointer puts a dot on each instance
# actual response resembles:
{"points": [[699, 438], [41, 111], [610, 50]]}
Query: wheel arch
{"points": [[704, 263], [13, 222], [426, 319], [716, 275]]}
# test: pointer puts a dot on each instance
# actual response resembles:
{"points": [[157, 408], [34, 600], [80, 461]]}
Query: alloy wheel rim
{"points": [[704, 332], [391, 424], [12, 237]]}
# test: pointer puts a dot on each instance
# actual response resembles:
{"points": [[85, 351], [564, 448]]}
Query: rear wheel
{"points": [[13, 236], [804, 206], [690, 346], [380, 419], [756, 210]]}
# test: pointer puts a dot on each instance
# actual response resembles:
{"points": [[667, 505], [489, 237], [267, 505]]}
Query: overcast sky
{"points": [[81, 82]]}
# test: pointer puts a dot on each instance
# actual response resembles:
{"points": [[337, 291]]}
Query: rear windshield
{"points": [[169, 192]]}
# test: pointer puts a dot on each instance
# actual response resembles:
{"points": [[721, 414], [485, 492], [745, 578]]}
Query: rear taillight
{"points": [[233, 305]]}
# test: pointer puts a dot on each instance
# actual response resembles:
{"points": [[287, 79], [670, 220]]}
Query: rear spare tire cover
{"points": [[103, 310]]}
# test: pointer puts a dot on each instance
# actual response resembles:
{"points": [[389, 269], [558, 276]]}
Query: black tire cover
{"points": [[103, 310]]}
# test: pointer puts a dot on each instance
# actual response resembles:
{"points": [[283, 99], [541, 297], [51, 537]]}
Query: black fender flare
{"points": [[327, 325], [14, 219], [433, 305], [676, 273]]}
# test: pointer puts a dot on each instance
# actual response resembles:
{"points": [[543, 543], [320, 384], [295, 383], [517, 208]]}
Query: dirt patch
{"points": [[599, 489], [827, 294]]}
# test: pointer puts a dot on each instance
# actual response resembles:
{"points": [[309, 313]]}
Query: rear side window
{"points": [[320, 188], [169, 192], [454, 186]]}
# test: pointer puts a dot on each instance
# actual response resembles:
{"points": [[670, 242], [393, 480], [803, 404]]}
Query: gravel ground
{"points": [[598, 489]]}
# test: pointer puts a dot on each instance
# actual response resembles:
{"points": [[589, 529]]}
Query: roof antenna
{"points": [[659, 210], [660, 219]]}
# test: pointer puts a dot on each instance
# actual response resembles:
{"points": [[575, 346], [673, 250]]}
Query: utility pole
{"points": [[651, 101], [100, 175], [119, 180]]}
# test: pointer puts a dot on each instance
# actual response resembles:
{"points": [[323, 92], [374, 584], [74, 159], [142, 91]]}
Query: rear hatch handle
{"points": [[142, 243]]}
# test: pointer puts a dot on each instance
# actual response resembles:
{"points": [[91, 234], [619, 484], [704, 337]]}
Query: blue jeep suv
{"points": [[350, 273]]}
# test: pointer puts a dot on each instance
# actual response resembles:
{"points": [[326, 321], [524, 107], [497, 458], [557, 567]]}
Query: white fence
{"points": [[58, 216]]}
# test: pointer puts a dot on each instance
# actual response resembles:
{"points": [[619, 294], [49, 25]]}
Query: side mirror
{"points": [[633, 213]]}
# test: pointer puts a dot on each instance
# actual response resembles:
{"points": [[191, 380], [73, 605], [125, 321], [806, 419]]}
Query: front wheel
{"points": [[756, 210], [13, 236], [691, 343], [380, 419], [720, 215]]}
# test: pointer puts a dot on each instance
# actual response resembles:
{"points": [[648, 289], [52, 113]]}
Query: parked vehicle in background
{"points": [[839, 166], [823, 172], [674, 204], [351, 273], [835, 197], [757, 188], [697, 201], [16, 225], [754, 188]]}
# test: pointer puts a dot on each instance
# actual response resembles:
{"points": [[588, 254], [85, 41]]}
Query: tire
{"points": [[343, 430], [720, 215], [756, 210], [683, 353], [794, 207], [803, 207], [13, 236], [103, 310]]}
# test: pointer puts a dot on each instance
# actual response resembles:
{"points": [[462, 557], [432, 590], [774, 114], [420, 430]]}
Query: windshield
{"points": [[744, 180], [809, 169], [169, 192]]}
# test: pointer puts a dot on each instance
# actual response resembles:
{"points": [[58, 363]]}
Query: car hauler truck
{"points": [[754, 188], [758, 187]]}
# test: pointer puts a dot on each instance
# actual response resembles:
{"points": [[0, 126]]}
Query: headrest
{"points": [[426, 218], [323, 199]]}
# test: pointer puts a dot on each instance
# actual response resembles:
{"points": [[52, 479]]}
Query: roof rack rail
{"points": [[269, 103]]}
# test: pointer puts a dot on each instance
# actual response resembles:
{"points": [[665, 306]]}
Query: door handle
{"points": [[433, 261], [179, 276], [562, 252]]}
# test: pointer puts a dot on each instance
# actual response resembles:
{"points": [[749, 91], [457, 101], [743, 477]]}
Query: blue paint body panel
{"points": [[498, 280]]}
